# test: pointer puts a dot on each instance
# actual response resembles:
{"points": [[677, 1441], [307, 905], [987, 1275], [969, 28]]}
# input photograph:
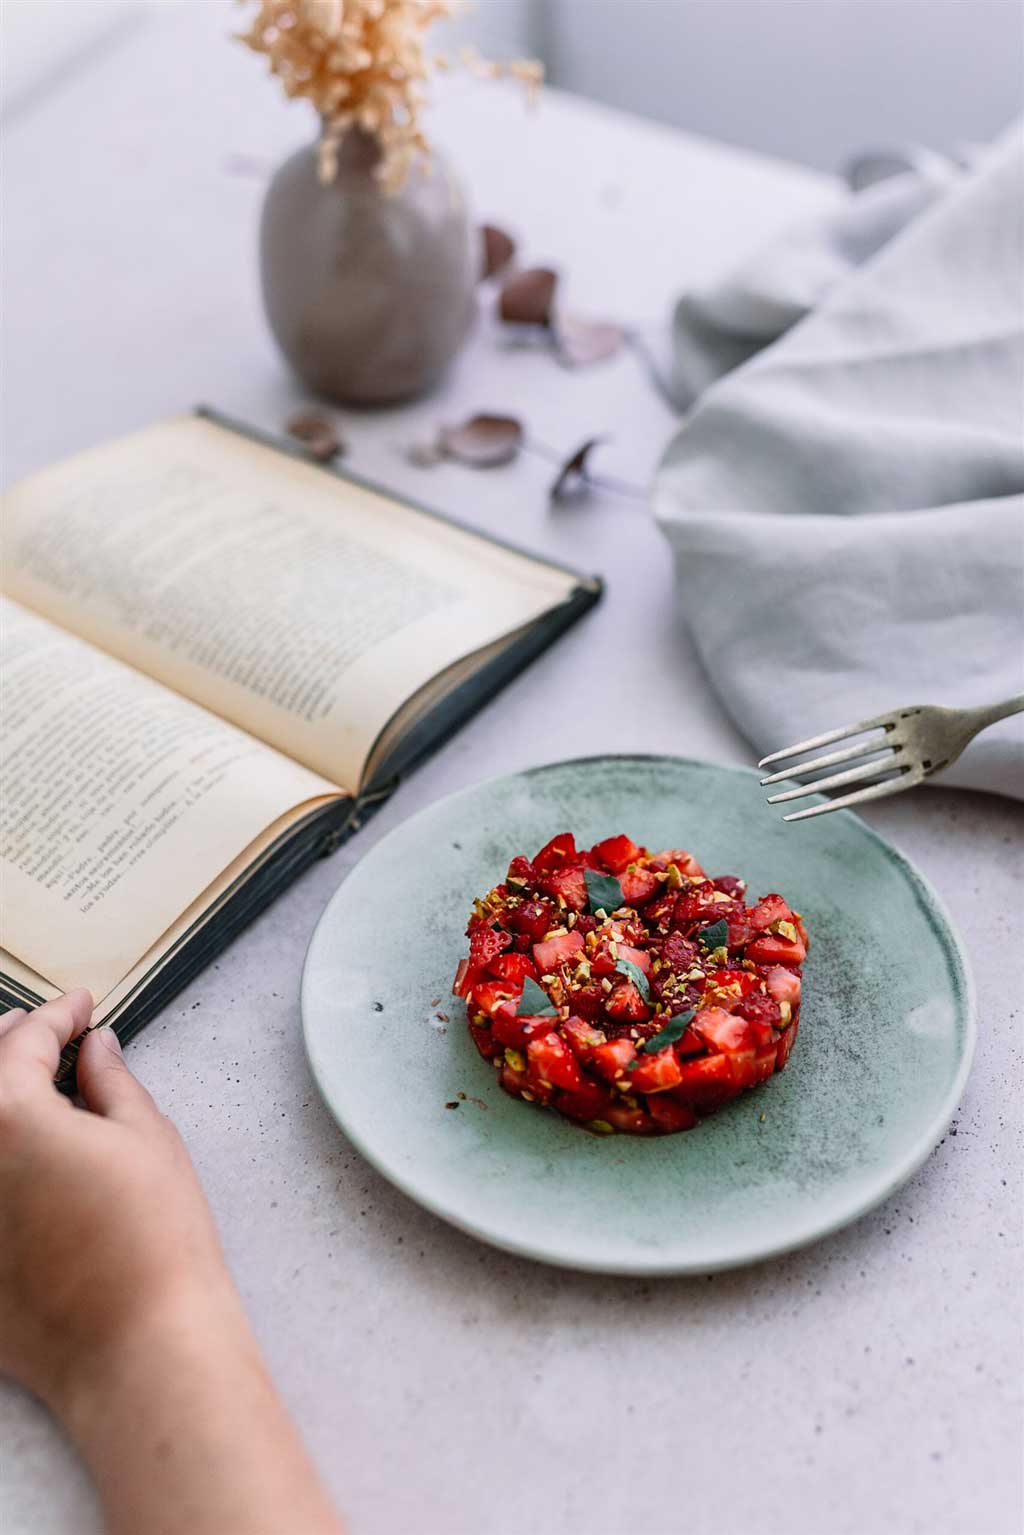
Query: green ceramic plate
{"points": [[887, 1030]]}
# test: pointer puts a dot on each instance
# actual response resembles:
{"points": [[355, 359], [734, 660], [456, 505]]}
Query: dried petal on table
{"points": [[499, 248], [527, 297], [317, 434], [573, 478], [484, 441], [582, 342]]}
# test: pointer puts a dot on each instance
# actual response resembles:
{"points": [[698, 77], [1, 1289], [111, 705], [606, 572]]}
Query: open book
{"points": [[217, 657]]}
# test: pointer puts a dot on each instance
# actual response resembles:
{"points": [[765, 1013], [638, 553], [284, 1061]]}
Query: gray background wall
{"points": [[813, 80]]}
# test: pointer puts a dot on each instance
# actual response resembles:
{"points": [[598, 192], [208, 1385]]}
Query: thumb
{"points": [[105, 1083]]}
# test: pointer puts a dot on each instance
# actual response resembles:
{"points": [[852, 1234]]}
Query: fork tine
{"points": [[839, 780], [883, 722], [874, 791], [832, 759]]}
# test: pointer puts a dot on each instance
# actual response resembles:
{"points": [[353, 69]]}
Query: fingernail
{"points": [[109, 1038]]}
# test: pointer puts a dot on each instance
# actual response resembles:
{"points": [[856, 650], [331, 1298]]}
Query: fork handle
{"points": [[990, 714]]}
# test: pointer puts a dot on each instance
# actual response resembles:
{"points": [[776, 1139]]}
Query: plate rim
{"points": [[665, 1266]]}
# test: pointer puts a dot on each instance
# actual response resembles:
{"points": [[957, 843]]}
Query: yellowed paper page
{"points": [[301, 607], [121, 803]]}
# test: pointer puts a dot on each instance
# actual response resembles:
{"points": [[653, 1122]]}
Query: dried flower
{"points": [[363, 64]]}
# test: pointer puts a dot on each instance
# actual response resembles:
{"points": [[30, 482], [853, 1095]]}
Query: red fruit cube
{"points": [[616, 852], [656, 1073], [554, 951], [706, 1083], [783, 985], [771, 949], [485, 1042], [785, 1045], [513, 968], [684, 862], [553, 1062], [629, 1121], [769, 909], [638, 886], [582, 1037], [669, 1115], [626, 1004], [589, 1101], [521, 872], [638, 957], [612, 1059], [556, 853], [724, 1031], [569, 885], [533, 918]]}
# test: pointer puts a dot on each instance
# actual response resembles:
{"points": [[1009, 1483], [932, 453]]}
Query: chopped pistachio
{"points": [[786, 1012], [601, 1126], [516, 1059]]}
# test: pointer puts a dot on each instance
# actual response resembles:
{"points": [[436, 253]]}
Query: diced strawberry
{"points": [[638, 957], [740, 931], [759, 1008], [589, 1101], [465, 978], [521, 872], [490, 996], [669, 1115], [553, 1061], [690, 1044], [659, 913], [765, 1061], [785, 1045], [638, 886], [611, 1059], [769, 909], [510, 1028], [513, 1081], [703, 904], [485, 944], [554, 951], [731, 886], [533, 918], [556, 853], [616, 852], [798, 923], [724, 1031], [656, 1073], [706, 1083], [513, 968], [582, 1037], [586, 1001], [783, 985], [727, 988], [624, 1002], [684, 862], [569, 885], [678, 953], [771, 949], [629, 1121], [485, 1042]]}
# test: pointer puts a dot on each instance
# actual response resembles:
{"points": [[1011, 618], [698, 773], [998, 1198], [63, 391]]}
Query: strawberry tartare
{"points": [[627, 989]]}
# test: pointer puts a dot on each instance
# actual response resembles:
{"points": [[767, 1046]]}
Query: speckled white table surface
{"points": [[869, 1384]]}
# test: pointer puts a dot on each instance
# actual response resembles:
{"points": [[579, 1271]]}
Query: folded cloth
{"points": [[847, 506]]}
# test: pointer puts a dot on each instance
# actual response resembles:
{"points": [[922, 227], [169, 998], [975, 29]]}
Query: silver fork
{"points": [[907, 746]]}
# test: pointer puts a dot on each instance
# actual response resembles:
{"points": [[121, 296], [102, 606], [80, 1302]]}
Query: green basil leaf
{"points": [[715, 937], [635, 974], [535, 1002], [673, 1030], [603, 891]]}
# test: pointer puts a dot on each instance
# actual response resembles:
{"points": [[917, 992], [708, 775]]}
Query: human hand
{"points": [[116, 1306], [102, 1219]]}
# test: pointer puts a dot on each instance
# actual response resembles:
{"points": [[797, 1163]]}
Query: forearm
{"points": [[183, 1431]]}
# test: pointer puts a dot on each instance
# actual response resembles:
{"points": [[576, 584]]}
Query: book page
{"points": [[302, 607], [121, 802]]}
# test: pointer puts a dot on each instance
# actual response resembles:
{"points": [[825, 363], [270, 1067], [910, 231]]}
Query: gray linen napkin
{"points": [[847, 506]]}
